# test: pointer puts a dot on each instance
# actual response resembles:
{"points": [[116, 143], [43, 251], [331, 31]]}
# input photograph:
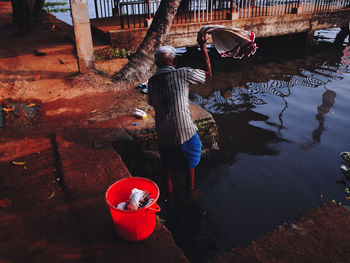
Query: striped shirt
{"points": [[168, 94]]}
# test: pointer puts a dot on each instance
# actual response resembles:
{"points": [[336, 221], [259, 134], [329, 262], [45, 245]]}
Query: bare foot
{"points": [[193, 194]]}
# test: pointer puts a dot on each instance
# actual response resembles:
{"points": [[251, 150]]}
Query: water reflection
{"points": [[345, 59], [237, 135], [328, 98], [234, 111], [277, 155], [240, 98], [237, 104]]}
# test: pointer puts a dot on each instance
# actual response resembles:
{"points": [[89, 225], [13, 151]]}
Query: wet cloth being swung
{"points": [[230, 41]]}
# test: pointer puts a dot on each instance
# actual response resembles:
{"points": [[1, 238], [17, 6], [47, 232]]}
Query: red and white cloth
{"points": [[230, 41]]}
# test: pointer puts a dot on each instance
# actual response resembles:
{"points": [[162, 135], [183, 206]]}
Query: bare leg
{"points": [[193, 193], [168, 181], [169, 187], [190, 174]]}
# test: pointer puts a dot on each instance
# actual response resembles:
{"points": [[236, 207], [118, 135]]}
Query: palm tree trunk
{"points": [[139, 65]]}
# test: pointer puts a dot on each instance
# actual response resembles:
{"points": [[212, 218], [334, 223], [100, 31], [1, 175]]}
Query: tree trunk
{"points": [[38, 8], [23, 11], [139, 65]]}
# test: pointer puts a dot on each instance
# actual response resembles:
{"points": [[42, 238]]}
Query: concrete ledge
{"points": [[321, 234], [186, 34], [232, 16], [146, 136]]}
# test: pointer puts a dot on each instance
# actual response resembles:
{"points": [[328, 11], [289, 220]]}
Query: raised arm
{"points": [[202, 42]]}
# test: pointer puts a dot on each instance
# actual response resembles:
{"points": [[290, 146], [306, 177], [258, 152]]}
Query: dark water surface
{"points": [[283, 117]]}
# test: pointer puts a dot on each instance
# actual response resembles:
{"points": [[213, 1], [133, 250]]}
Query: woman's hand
{"points": [[202, 39]]}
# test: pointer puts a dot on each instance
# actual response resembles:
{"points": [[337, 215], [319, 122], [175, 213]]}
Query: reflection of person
{"points": [[179, 143], [328, 98]]}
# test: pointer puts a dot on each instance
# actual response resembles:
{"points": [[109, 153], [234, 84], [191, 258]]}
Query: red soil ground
{"points": [[52, 205]]}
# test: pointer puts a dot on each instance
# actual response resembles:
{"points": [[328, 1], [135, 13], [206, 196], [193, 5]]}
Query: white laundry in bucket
{"points": [[137, 199], [230, 41], [122, 206]]}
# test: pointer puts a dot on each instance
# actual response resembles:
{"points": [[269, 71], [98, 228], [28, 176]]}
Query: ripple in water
{"points": [[283, 120]]}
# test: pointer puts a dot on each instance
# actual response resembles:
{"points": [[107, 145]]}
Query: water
{"points": [[66, 16], [283, 118], [102, 10]]}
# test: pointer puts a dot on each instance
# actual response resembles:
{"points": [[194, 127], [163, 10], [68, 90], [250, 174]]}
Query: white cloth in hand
{"points": [[230, 41]]}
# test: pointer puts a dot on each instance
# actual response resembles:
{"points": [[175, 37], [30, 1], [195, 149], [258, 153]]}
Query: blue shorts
{"points": [[180, 157]]}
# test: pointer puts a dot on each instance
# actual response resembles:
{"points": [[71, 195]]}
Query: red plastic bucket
{"points": [[133, 225]]}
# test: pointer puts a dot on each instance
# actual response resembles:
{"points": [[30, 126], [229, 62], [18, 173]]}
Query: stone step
{"points": [[87, 173], [207, 130]]}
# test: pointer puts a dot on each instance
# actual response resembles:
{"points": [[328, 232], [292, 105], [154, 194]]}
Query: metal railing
{"points": [[255, 8], [104, 8], [133, 13], [192, 11]]}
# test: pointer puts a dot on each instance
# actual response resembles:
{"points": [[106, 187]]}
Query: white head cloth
{"points": [[166, 49]]}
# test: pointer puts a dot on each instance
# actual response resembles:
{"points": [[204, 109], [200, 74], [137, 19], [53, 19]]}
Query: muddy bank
{"points": [[56, 161], [318, 235]]}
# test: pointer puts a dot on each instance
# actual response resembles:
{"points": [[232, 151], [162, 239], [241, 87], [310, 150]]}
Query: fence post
{"points": [[149, 9], [82, 33], [232, 15], [97, 16], [121, 16]]}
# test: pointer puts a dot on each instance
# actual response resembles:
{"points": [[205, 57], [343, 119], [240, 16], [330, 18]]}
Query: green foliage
{"points": [[56, 7], [101, 71], [50, 4], [109, 53], [57, 10]]}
